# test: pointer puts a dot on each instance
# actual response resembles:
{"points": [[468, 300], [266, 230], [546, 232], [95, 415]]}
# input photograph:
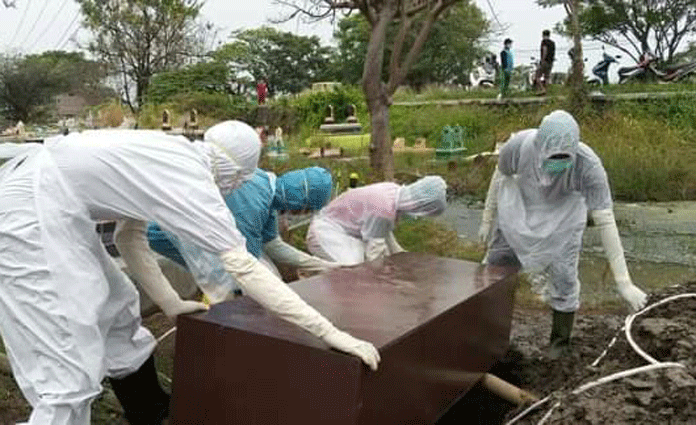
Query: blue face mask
{"points": [[556, 166]]}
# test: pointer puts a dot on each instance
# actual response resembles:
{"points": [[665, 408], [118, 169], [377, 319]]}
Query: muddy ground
{"points": [[667, 333]]}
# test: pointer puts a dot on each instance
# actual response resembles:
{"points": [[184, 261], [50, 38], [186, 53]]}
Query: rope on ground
{"points": [[632, 317], [654, 364]]}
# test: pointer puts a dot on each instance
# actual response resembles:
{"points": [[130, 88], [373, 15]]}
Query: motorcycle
{"points": [[601, 70], [644, 70], [483, 73], [675, 73]]}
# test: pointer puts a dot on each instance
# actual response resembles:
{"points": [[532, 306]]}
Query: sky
{"points": [[34, 26]]}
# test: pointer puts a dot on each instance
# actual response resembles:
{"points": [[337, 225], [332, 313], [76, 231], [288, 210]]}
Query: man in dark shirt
{"points": [[548, 53]]}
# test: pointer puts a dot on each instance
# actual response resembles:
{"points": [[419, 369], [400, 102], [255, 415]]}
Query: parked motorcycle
{"points": [[601, 70], [676, 73], [483, 73], [644, 70]]}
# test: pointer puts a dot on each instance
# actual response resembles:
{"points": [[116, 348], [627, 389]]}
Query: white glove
{"points": [[485, 228], [491, 207], [131, 242], [346, 343], [281, 252], [393, 245], [376, 249], [633, 295], [264, 287], [605, 222]]}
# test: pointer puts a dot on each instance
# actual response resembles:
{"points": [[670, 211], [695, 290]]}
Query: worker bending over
{"points": [[254, 205], [359, 224], [68, 315], [537, 204]]}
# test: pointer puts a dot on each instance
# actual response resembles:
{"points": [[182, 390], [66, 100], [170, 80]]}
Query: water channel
{"points": [[659, 240]]}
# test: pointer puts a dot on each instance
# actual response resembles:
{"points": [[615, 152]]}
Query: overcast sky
{"points": [[38, 25]]}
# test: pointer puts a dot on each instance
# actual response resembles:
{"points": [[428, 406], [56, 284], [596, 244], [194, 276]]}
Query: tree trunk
{"points": [[381, 159], [381, 154], [577, 81]]}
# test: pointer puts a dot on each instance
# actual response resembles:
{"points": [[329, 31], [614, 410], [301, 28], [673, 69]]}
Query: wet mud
{"points": [[666, 396]]}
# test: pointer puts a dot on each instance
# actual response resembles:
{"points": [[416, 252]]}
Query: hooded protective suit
{"points": [[68, 315], [359, 224], [546, 182], [254, 206]]}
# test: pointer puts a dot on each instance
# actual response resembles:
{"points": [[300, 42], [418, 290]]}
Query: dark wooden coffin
{"points": [[431, 319]]}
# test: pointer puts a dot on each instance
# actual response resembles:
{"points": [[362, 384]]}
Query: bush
{"points": [[311, 107], [110, 114], [211, 108]]}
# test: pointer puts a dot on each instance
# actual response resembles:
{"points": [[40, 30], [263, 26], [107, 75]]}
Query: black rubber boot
{"points": [[143, 400], [561, 328]]}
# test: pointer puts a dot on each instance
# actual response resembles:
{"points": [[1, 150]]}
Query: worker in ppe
{"points": [[358, 225], [254, 205], [536, 211], [68, 315]]}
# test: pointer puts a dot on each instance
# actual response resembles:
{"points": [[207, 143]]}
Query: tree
{"points": [[446, 57], [82, 76], [413, 16], [139, 38], [578, 96], [27, 87], [638, 26], [204, 77], [289, 62]]}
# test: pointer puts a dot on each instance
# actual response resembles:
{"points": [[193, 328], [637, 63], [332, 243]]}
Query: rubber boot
{"points": [[143, 400], [561, 328]]}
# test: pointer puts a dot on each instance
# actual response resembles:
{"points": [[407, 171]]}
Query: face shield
{"points": [[233, 148], [308, 189], [426, 197]]}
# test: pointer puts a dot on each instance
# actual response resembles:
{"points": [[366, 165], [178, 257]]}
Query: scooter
{"points": [[643, 71], [483, 73], [601, 70]]}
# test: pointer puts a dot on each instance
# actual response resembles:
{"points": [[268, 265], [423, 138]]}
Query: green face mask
{"points": [[556, 166]]}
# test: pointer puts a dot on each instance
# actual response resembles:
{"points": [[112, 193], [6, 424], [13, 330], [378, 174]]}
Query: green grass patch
{"points": [[355, 143]]}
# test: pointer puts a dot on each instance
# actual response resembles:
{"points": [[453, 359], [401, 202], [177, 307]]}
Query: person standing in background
{"points": [[546, 58], [262, 91], [506, 65]]}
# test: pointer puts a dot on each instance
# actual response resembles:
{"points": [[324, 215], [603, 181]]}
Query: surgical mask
{"points": [[556, 166]]}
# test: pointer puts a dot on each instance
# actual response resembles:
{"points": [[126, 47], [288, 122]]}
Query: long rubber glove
{"points": [[490, 208], [281, 252], [604, 220], [393, 244], [131, 241], [376, 249], [264, 287]]}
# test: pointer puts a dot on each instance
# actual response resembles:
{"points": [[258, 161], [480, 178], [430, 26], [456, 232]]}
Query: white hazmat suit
{"points": [[68, 315], [544, 185]]}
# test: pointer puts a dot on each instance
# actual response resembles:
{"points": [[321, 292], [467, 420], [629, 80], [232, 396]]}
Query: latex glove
{"points": [[346, 343], [376, 249], [284, 253], [491, 207], [131, 241], [257, 282], [605, 222], [393, 245], [633, 295], [485, 228]]}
